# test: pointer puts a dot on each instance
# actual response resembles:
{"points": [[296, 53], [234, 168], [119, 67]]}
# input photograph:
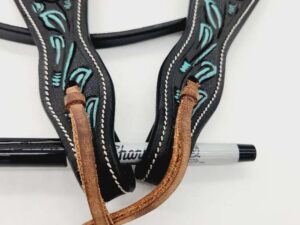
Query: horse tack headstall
{"points": [[78, 95]]}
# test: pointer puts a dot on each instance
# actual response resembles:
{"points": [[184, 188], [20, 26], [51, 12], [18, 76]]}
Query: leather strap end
{"points": [[191, 91], [74, 97], [82, 137]]}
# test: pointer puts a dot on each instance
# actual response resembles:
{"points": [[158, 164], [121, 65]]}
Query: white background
{"points": [[260, 105]]}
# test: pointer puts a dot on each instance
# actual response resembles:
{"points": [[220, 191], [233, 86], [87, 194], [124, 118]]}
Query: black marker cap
{"points": [[247, 153]]}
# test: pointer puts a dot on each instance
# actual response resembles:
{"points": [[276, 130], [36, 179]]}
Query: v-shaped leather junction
{"points": [[78, 96], [75, 103]]}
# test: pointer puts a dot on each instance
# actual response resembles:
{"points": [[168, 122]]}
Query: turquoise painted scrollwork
{"points": [[80, 76], [92, 105], [207, 32], [187, 65], [205, 54], [54, 19], [38, 7], [205, 35], [203, 97], [177, 95], [232, 9], [65, 50], [67, 4], [58, 43], [68, 64], [214, 14], [56, 79], [207, 71]]}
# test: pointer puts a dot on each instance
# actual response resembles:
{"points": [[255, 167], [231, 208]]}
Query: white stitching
{"points": [[222, 65], [166, 90], [47, 99], [104, 93], [166, 82], [45, 56], [217, 88]]}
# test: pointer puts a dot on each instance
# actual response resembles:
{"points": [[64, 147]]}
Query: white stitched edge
{"points": [[166, 90], [47, 99], [104, 86], [217, 87], [104, 96], [46, 82], [222, 65]]}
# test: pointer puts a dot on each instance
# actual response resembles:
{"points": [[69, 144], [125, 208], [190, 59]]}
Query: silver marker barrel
{"points": [[50, 152], [208, 154]]}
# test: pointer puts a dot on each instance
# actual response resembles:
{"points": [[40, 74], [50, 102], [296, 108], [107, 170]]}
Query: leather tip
{"points": [[191, 90], [74, 96], [73, 89]]}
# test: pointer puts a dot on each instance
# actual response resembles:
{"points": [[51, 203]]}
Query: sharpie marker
{"points": [[50, 152], [202, 153]]}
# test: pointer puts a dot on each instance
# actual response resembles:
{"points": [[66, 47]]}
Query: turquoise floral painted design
{"points": [[92, 105], [67, 4], [206, 45], [56, 21]]}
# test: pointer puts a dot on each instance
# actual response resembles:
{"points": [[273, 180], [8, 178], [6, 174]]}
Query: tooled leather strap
{"points": [[181, 152], [82, 137], [67, 57], [200, 54], [178, 163]]}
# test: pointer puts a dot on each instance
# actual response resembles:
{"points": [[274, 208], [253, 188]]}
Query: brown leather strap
{"points": [[178, 164], [86, 160], [82, 136]]}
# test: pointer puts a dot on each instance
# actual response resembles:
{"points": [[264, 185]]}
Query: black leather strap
{"points": [[200, 54], [105, 40], [67, 57]]}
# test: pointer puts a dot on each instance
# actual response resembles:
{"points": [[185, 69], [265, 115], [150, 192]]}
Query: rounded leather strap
{"points": [[175, 172], [178, 164], [82, 136], [104, 40]]}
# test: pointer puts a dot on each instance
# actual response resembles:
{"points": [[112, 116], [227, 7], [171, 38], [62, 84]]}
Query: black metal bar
{"points": [[32, 152]]}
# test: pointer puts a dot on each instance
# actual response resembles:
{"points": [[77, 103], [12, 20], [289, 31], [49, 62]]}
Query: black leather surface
{"points": [[211, 27], [200, 54], [59, 29]]}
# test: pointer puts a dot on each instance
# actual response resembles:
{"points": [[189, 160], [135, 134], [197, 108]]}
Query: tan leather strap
{"points": [[175, 173], [178, 164], [82, 137]]}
